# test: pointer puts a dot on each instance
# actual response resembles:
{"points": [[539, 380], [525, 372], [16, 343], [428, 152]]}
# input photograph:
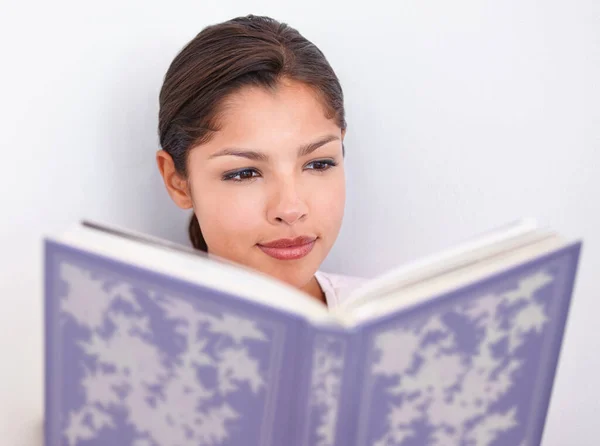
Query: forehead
{"points": [[291, 111]]}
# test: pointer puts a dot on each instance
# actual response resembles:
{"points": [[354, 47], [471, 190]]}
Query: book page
{"points": [[501, 239], [197, 268], [422, 291]]}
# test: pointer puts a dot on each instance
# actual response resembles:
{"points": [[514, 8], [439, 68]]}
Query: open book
{"points": [[151, 344]]}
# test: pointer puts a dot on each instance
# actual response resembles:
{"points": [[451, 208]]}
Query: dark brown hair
{"points": [[220, 60]]}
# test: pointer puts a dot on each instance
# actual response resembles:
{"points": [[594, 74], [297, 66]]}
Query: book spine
{"points": [[325, 374], [351, 388]]}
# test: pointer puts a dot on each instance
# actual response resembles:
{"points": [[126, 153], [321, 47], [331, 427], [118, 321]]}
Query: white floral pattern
{"points": [[442, 386], [328, 367], [184, 393]]}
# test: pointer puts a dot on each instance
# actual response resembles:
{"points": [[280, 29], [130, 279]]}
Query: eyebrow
{"points": [[254, 155]]}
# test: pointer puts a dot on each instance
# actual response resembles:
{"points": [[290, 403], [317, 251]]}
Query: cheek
{"points": [[228, 217], [328, 205]]}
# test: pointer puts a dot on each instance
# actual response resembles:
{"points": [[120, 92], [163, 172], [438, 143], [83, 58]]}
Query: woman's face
{"points": [[269, 187]]}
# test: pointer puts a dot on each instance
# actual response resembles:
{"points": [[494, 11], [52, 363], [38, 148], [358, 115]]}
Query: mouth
{"points": [[289, 249]]}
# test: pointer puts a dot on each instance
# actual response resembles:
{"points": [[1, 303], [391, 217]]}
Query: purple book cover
{"points": [[474, 367], [137, 358]]}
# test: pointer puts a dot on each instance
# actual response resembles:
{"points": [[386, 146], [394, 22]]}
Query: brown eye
{"points": [[241, 175], [320, 165], [246, 174]]}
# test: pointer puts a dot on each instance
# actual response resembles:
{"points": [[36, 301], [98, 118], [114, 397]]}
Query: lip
{"points": [[289, 249]]}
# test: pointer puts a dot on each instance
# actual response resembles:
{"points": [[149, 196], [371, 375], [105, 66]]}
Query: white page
{"points": [[199, 269], [420, 292], [500, 239]]}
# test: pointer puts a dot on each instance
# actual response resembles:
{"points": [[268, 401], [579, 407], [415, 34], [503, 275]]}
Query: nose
{"points": [[286, 205]]}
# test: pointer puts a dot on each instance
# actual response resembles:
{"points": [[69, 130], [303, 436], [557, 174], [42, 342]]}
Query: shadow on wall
{"points": [[139, 200]]}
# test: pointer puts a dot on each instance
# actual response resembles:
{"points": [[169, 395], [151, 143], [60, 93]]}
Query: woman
{"points": [[251, 126]]}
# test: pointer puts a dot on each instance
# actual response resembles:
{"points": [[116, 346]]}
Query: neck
{"points": [[313, 289]]}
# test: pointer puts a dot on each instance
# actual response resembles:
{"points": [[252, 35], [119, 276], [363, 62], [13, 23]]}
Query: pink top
{"points": [[337, 287]]}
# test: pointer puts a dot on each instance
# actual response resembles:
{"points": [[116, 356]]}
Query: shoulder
{"points": [[337, 287]]}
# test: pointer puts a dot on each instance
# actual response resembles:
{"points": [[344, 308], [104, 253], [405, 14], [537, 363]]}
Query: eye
{"points": [[321, 165], [241, 175]]}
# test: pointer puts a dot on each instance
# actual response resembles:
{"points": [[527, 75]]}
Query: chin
{"points": [[297, 273], [298, 280]]}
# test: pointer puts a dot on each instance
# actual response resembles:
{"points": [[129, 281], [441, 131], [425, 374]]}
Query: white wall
{"points": [[462, 114]]}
